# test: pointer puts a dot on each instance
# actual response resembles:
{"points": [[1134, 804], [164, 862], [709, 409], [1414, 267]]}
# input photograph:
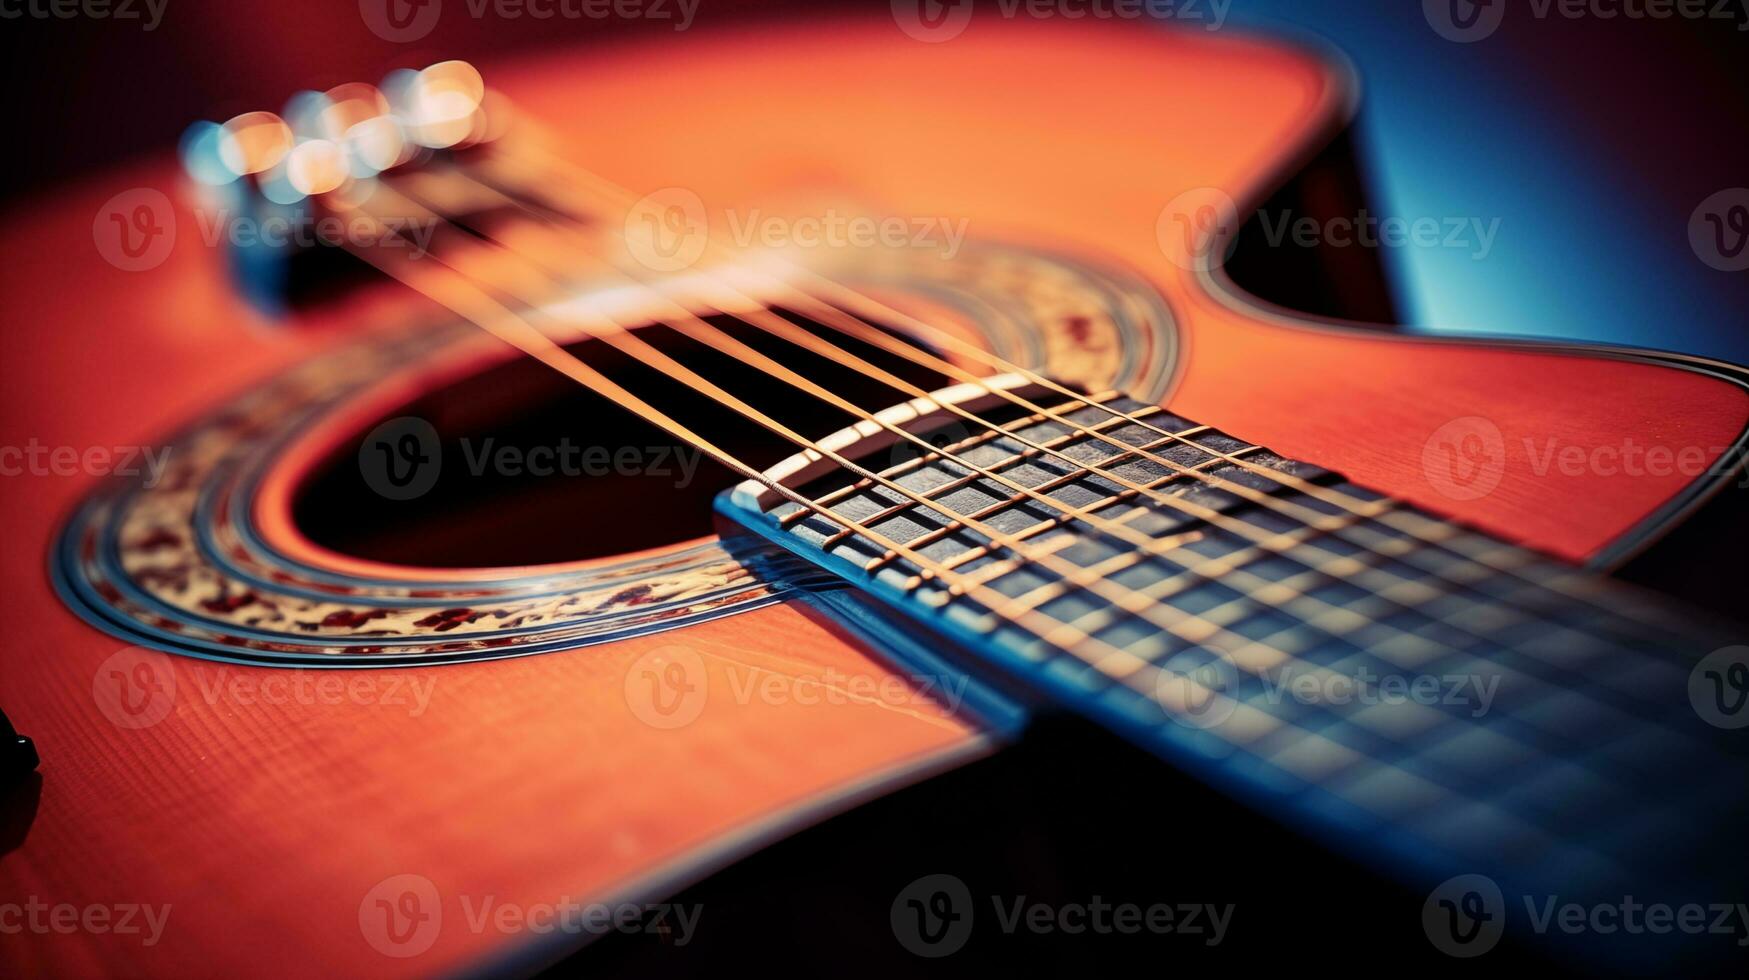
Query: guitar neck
{"points": [[1429, 699]]}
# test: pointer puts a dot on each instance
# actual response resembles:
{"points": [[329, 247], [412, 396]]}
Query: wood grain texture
{"points": [[523, 781], [265, 826]]}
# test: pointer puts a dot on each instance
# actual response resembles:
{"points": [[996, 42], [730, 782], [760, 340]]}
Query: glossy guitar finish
{"points": [[269, 825]]}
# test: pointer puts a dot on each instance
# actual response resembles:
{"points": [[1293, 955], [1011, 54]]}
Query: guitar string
{"points": [[910, 352], [1481, 551], [475, 304], [868, 333], [1163, 617], [1282, 592], [1385, 546], [1416, 525], [1251, 586], [714, 338], [1059, 634], [1246, 727]]}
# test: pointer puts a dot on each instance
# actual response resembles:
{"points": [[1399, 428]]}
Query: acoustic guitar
{"points": [[466, 507]]}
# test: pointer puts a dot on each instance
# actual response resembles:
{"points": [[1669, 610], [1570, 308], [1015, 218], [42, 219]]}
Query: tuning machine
{"points": [[266, 179]]}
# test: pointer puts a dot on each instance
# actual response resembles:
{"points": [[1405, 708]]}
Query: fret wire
{"points": [[1324, 630], [976, 439], [1061, 518], [1622, 697], [1174, 540], [945, 488], [1531, 570], [1205, 572], [1542, 670], [1383, 509], [997, 569], [956, 519], [1449, 725], [1294, 596], [979, 578], [1227, 568]]}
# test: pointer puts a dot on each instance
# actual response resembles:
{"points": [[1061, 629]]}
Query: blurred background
{"points": [[1588, 143]]}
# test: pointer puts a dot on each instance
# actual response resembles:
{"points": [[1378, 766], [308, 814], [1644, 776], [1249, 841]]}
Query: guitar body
{"points": [[271, 822]]}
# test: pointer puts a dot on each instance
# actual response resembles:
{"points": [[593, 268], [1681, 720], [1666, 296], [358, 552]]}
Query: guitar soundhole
{"points": [[531, 468]]}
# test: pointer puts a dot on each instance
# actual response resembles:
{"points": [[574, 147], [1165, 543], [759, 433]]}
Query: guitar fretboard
{"points": [[1438, 698]]}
